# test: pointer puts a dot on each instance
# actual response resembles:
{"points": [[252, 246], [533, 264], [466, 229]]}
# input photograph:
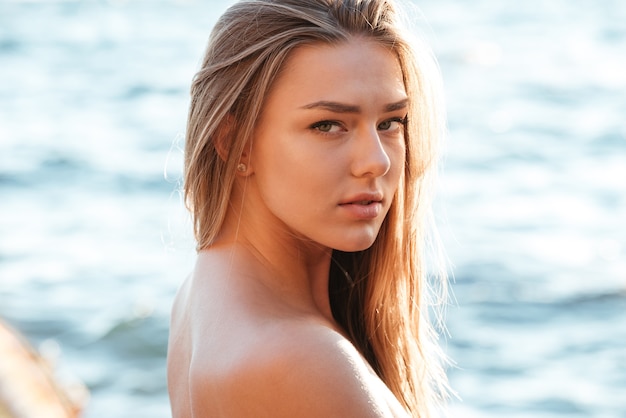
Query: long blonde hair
{"points": [[385, 309]]}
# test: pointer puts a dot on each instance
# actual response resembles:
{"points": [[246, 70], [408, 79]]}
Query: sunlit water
{"points": [[94, 242]]}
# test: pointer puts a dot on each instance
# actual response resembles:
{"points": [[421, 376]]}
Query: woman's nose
{"points": [[370, 159]]}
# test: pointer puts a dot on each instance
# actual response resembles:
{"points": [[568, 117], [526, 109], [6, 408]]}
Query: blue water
{"points": [[532, 205]]}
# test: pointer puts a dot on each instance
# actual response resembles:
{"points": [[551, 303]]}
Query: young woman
{"points": [[311, 143]]}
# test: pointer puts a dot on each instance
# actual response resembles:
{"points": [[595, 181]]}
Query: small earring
{"points": [[242, 168]]}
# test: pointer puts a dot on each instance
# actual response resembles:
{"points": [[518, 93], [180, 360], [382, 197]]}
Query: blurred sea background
{"points": [[532, 206]]}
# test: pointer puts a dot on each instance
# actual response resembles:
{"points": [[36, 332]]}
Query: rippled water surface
{"points": [[93, 240]]}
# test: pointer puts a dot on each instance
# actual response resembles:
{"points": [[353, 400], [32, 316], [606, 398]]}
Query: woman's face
{"points": [[329, 150]]}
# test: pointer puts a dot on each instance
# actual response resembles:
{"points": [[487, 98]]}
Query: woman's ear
{"points": [[222, 137], [244, 166]]}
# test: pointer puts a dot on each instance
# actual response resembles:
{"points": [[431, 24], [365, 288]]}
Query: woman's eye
{"points": [[392, 124], [326, 127]]}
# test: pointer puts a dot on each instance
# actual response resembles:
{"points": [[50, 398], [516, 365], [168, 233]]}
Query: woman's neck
{"points": [[293, 269]]}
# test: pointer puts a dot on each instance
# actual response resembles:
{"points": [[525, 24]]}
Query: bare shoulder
{"points": [[235, 351], [304, 369], [179, 354]]}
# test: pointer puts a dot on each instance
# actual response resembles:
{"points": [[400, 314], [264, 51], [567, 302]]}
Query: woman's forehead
{"points": [[353, 71]]}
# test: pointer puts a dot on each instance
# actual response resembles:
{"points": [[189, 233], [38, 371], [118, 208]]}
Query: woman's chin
{"points": [[355, 245]]}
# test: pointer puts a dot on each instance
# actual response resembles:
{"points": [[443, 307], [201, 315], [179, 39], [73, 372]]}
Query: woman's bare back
{"points": [[235, 351]]}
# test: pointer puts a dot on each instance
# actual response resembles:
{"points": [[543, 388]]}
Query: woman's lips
{"points": [[363, 198], [363, 209]]}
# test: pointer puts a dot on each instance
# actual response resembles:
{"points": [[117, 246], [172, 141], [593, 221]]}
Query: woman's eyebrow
{"points": [[392, 107], [347, 108], [333, 107]]}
